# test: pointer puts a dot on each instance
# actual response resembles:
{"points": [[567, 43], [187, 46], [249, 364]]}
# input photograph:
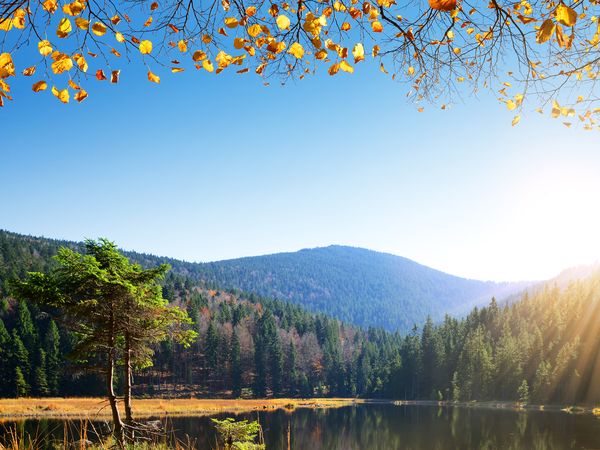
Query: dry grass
{"points": [[98, 407]]}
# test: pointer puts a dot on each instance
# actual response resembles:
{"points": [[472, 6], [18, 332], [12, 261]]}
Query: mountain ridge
{"points": [[356, 285]]}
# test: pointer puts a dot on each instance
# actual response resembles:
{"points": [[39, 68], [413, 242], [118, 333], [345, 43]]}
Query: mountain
{"points": [[356, 285]]}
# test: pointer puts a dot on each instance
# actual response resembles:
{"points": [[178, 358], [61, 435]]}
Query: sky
{"points": [[207, 167]]}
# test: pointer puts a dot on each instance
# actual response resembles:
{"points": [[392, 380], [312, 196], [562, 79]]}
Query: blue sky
{"points": [[208, 167]]}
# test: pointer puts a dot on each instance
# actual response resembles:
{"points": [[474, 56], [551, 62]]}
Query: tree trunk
{"points": [[112, 399], [110, 389], [128, 382]]}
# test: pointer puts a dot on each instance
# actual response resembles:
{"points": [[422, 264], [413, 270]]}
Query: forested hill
{"points": [[355, 285]]}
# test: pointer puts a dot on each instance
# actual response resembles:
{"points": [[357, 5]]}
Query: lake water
{"points": [[387, 427]]}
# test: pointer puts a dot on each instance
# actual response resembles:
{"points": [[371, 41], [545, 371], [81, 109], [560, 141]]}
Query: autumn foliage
{"points": [[440, 49]]}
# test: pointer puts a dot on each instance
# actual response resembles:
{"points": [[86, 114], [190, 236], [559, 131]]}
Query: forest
{"points": [[543, 348], [357, 286]]}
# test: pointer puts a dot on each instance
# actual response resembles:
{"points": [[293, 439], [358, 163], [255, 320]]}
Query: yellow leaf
{"points": [[50, 6], [177, 69], [145, 47], [7, 67], [238, 43], [19, 19], [297, 50], [29, 71], [82, 23], [148, 21], [74, 9], [99, 29], [39, 86], [442, 5], [456, 51], [565, 15], [283, 22], [81, 62], [62, 64], [516, 120], [153, 78], [231, 22], [335, 68], [119, 37], [358, 52], [546, 31], [250, 11], [411, 71], [44, 47], [321, 54], [376, 27], [64, 28], [81, 95], [62, 95], [254, 30], [511, 105], [207, 65], [182, 45], [346, 67], [6, 24]]}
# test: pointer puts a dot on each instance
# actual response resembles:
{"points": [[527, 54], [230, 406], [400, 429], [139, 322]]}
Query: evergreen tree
{"points": [[20, 385], [5, 360], [53, 358], [236, 365], [19, 355], [40, 382]]}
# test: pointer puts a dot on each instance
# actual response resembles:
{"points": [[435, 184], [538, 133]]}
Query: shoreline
{"points": [[97, 408]]}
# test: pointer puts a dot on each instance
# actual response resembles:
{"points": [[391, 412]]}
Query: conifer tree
{"points": [[236, 365], [5, 360], [52, 349]]}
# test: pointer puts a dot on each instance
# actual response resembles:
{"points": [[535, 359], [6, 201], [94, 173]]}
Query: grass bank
{"points": [[98, 407]]}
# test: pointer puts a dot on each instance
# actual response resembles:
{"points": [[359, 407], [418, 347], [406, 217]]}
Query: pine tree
{"points": [[20, 385], [39, 379], [26, 328], [236, 365], [19, 354], [523, 392], [5, 360], [291, 370], [52, 349], [212, 349]]}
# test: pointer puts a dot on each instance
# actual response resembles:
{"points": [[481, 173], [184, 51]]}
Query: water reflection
{"points": [[385, 427]]}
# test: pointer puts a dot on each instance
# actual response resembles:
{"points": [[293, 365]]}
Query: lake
{"points": [[386, 427]]}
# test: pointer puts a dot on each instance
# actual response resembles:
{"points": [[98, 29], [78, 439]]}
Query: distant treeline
{"points": [[544, 348]]}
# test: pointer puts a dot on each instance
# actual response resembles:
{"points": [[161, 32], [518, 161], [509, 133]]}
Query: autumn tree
{"points": [[439, 49]]}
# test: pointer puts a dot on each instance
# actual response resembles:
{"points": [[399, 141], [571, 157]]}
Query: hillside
{"points": [[355, 285]]}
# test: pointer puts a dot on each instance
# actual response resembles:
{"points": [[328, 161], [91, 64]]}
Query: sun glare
{"points": [[555, 221]]}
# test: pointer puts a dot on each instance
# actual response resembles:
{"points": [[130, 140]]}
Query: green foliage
{"points": [[523, 392], [238, 435]]}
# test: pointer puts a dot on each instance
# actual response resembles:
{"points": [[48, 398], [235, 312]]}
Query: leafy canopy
{"points": [[546, 49]]}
